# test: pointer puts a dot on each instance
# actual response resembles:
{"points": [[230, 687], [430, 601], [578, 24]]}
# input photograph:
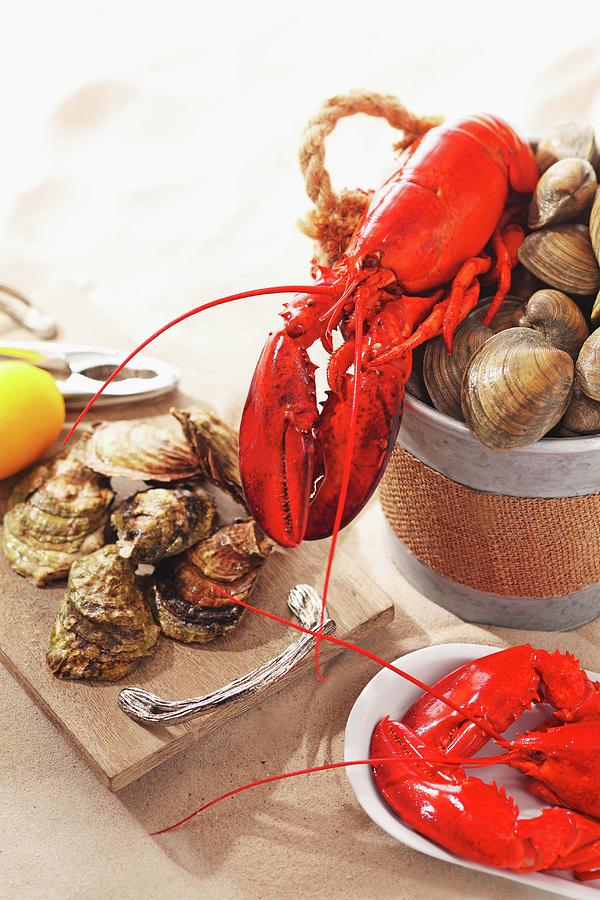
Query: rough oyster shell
{"points": [[153, 449], [56, 514], [103, 625], [186, 602], [215, 446], [161, 522]]}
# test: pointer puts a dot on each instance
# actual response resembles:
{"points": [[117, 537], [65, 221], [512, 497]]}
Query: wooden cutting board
{"points": [[120, 750]]}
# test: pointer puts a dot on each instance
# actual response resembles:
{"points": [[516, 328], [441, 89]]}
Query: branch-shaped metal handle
{"points": [[149, 709]]}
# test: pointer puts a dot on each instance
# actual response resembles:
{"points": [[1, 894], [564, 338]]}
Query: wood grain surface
{"points": [[120, 750]]}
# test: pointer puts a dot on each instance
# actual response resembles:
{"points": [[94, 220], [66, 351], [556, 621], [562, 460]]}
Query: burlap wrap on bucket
{"points": [[505, 545]]}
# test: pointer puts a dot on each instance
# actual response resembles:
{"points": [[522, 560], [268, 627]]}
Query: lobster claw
{"points": [[276, 441], [380, 401]]}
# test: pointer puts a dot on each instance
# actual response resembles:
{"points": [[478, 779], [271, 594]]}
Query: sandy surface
{"points": [[149, 162]]}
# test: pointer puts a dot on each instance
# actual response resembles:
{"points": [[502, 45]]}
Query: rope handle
{"points": [[336, 216]]}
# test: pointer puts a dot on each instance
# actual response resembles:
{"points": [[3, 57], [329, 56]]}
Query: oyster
{"points": [[161, 522], [215, 446], [186, 602], [564, 191], [516, 388], [562, 256], [153, 449], [443, 372], [56, 514], [103, 625]]}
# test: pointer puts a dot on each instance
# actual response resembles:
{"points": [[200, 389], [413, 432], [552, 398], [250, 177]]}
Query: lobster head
{"points": [[564, 763]]}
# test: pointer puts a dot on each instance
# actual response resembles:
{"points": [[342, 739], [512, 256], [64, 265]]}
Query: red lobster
{"points": [[307, 473], [423, 785]]}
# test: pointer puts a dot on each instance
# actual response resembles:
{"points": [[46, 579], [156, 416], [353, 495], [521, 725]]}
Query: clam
{"points": [[564, 191], [595, 313], [443, 372], [523, 284], [103, 626], [153, 449], [588, 366], [161, 522], [516, 388], [566, 139], [595, 225], [187, 604], [563, 258], [558, 319], [507, 316], [582, 415]]}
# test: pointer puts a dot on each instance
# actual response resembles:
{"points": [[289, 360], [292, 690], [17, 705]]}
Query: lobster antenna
{"points": [[481, 723], [440, 759], [345, 481], [258, 292]]}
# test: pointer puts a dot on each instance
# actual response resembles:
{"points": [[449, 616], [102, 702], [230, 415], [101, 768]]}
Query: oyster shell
{"points": [[588, 366], [153, 449], [161, 522], [55, 515], [564, 191], [562, 257], [103, 626], [215, 446], [186, 603], [443, 373], [516, 388], [558, 319], [566, 139]]}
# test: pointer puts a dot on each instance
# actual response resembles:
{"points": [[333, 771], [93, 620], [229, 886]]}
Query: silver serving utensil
{"points": [[22, 311], [80, 370], [149, 709]]}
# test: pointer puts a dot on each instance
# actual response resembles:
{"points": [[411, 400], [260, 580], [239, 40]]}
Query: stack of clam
{"points": [[536, 371]]}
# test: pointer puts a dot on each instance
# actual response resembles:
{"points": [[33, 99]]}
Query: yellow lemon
{"points": [[32, 413]]}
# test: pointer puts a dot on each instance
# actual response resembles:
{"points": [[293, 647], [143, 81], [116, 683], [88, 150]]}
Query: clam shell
{"points": [[595, 313], [588, 366], [595, 225], [523, 284], [558, 319], [566, 139], [507, 316], [443, 373], [562, 257], [582, 416], [564, 191], [153, 449], [516, 388]]}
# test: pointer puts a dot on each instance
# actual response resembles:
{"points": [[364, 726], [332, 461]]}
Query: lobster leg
{"points": [[276, 441], [468, 271]]}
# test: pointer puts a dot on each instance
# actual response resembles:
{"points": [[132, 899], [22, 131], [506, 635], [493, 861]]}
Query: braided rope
{"points": [[335, 216]]}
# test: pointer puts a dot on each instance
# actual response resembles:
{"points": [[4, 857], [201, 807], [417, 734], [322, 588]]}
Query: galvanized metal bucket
{"points": [[444, 490]]}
